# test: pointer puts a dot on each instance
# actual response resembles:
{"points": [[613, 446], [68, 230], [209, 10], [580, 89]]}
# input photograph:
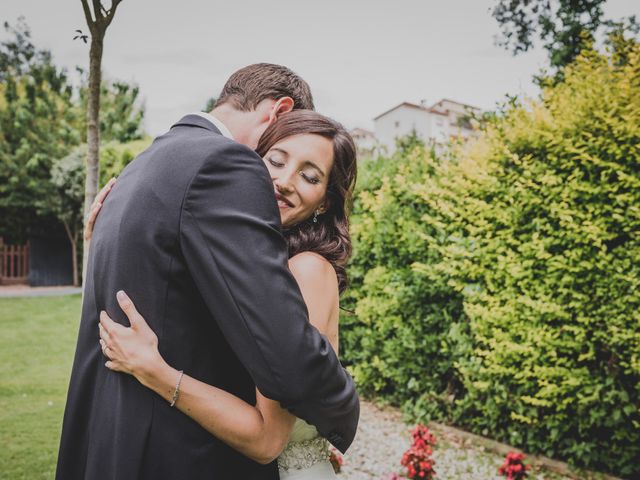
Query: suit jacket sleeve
{"points": [[230, 237]]}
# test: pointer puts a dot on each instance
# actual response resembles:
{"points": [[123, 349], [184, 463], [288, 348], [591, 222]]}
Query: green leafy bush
{"points": [[552, 246], [400, 340], [499, 289], [115, 156]]}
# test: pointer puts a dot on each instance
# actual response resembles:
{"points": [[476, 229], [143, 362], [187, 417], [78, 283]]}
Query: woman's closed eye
{"points": [[313, 179], [275, 161]]}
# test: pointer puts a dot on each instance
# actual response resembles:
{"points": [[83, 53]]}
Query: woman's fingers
{"points": [[130, 311], [102, 194], [106, 351], [103, 334], [91, 220], [108, 324], [95, 208], [106, 342]]}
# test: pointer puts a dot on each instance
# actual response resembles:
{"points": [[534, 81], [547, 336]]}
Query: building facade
{"points": [[435, 124], [366, 143]]}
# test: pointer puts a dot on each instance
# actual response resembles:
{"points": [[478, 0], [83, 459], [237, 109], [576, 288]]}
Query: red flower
{"points": [[417, 459], [336, 460], [513, 467]]}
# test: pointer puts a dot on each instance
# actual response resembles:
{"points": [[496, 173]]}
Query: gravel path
{"points": [[383, 437]]}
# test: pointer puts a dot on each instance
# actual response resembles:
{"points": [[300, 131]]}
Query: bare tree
{"points": [[98, 20]]}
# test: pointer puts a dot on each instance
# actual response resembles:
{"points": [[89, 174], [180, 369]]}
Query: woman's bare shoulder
{"points": [[319, 286], [311, 266]]}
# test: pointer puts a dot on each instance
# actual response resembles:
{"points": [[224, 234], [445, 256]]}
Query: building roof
{"points": [[453, 101], [403, 104], [430, 109], [362, 131]]}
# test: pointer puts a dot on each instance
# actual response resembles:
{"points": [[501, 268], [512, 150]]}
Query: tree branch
{"points": [[112, 11], [87, 15], [68, 229], [97, 7]]}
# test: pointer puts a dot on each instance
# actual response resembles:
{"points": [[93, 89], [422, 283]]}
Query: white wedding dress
{"points": [[306, 456]]}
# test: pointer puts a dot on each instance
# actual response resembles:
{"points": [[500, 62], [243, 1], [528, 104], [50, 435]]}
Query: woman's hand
{"points": [[95, 209], [132, 350]]}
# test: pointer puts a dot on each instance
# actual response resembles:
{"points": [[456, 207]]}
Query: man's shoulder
{"points": [[201, 148]]}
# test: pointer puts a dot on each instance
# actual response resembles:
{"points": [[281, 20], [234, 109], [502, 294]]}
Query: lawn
{"points": [[37, 342]]}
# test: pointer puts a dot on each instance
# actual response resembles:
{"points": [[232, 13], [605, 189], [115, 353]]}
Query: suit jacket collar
{"points": [[193, 120]]}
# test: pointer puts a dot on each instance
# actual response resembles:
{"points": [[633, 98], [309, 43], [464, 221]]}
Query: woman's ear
{"points": [[323, 207], [282, 105]]}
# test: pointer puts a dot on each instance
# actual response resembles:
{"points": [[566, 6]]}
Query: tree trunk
{"points": [[73, 240], [98, 21], [74, 262], [93, 131]]}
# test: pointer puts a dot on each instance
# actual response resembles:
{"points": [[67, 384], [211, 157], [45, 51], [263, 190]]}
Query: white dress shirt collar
{"points": [[217, 123]]}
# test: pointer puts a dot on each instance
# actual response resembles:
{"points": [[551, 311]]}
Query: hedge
{"points": [[498, 289]]}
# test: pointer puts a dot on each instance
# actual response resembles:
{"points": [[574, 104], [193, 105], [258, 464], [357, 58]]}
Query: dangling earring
{"points": [[315, 216]]}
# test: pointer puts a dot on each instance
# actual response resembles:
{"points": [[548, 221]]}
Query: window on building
{"points": [[397, 124]]}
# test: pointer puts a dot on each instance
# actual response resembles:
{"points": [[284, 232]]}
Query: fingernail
{"points": [[121, 296]]}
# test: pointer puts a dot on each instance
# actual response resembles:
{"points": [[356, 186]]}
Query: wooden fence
{"points": [[14, 264]]}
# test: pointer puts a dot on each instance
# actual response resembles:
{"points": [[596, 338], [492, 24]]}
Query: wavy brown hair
{"points": [[329, 236]]}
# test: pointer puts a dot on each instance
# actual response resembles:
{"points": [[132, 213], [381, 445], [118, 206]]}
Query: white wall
{"points": [[430, 126], [401, 122]]}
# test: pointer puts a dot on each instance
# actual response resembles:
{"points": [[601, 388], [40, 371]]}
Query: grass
{"points": [[37, 342]]}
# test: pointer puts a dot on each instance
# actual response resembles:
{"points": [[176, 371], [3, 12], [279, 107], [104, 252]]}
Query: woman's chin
{"points": [[291, 219], [288, 222]]}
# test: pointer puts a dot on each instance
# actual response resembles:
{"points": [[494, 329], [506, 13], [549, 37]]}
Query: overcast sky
{"points": [[361, 57]]}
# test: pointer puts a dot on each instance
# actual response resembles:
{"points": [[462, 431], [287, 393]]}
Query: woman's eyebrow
{"points": [[282, 151], [313, 165]]}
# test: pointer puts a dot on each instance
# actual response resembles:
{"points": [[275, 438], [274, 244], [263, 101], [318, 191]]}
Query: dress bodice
{"points": [[302, 431], [304, 449]]}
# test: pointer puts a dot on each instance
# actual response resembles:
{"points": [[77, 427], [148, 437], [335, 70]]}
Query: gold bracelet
{"points": [[176, 394]]}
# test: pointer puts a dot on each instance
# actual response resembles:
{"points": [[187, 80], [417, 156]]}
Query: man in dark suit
{"points": [[191, 232]]}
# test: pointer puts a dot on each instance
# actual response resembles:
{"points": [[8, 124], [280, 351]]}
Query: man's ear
{"points": [[282, 105]]}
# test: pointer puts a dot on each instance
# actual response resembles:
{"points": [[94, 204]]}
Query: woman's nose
{"points": [[284, 181]]}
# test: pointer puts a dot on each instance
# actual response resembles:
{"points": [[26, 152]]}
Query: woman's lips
{"points": [[283, 202]]}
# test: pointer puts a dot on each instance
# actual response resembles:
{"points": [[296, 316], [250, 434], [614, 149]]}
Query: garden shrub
{"points": [[399, 340], [550, 270], [499, 288]]}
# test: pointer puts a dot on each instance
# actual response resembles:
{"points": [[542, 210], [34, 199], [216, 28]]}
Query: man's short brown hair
{"points": [[250, 85]]}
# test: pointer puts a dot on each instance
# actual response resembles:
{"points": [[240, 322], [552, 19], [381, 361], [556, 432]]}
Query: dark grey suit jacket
{"points": [[191, 231]]}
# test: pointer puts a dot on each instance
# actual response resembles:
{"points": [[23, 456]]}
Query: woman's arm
{"points": [[260, 432]]}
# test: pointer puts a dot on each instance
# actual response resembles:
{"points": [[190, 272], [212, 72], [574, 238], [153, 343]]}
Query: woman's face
{"points": [[299, 167]]}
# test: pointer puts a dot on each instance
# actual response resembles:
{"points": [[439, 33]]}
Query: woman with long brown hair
{"points": [[311, 160]]}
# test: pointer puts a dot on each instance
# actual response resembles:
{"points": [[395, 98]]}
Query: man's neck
{"points": [[234, 120]]}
